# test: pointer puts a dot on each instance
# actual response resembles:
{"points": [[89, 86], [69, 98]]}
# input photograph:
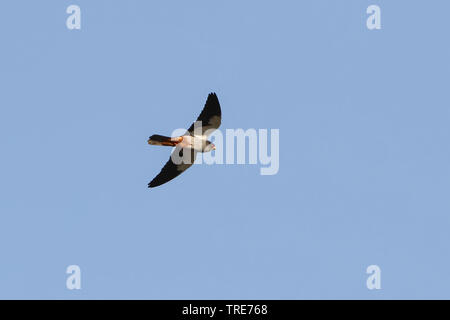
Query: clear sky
{"points": [[364, 149]]}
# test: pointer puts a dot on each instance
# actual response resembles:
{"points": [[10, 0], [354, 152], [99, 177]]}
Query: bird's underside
{"points": [[188, 145]]}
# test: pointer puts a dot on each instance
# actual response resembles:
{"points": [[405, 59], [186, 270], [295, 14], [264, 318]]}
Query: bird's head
{"points": [[209, 147]]}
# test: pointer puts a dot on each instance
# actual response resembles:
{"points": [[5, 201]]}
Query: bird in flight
{"points": [[186, 146]]}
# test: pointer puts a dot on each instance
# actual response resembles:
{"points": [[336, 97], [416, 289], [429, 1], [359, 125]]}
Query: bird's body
{"points": [[198, 143], [193, 141]]}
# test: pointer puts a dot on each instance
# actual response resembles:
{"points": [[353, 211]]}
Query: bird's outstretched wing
{"points": [[210, 117], [185, 158]]}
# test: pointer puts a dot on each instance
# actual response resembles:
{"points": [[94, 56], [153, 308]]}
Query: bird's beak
{"points": [[214, 147]]}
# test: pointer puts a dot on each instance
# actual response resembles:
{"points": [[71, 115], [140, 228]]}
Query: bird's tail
{"points": [[158, 140]]}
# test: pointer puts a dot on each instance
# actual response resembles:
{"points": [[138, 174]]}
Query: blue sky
{"points": [[364, 160]]}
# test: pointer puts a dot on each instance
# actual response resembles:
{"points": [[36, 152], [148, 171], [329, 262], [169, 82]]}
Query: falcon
{"points": [[188, 145]]}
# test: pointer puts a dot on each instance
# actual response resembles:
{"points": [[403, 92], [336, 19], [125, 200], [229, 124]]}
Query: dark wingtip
{"points": [[153, 184], [212, 97]]}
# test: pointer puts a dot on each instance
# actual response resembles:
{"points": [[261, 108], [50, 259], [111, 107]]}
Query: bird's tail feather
{"points": [[158, 140]]}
